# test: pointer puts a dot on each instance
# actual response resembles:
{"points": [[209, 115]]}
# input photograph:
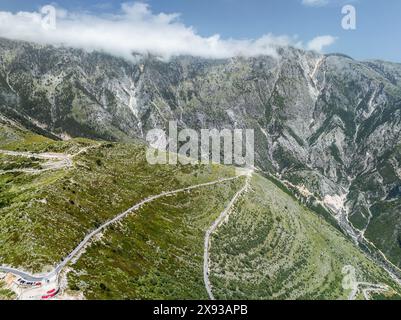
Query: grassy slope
{"points": [[157, 253], [274, 248], [270, 248], [43, 217], [11, 134]]}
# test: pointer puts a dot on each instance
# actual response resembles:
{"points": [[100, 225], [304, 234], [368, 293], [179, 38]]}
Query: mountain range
{"points": [[327, 127]]}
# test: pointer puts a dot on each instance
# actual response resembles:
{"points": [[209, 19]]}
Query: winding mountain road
{"points": [[91, 235], [366, 288], [55, 161], [22, 274], [214, 226]]}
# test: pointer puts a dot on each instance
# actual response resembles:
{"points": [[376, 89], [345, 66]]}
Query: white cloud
{"points": [[315, 3], [318, 43], [135, 29]]}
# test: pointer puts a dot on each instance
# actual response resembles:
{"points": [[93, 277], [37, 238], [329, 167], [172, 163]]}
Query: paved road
{"points": [[209, 232], [369, 288], [87, 238], [59, 161], [22, 274], [127, 212]]}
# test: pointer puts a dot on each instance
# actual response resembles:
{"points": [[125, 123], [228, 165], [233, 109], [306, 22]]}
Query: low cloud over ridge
{"points": [[135, 29]]}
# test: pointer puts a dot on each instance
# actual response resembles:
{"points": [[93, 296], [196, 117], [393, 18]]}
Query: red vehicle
{"points": [[50, 294]]}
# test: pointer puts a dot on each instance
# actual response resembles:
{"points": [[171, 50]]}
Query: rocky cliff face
{"points": [[327, 124]]}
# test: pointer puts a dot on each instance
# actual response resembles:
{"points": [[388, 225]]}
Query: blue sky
{"points": [[377, 35]]}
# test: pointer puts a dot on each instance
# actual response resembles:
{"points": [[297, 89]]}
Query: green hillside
{"points": [[271, 247]]}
